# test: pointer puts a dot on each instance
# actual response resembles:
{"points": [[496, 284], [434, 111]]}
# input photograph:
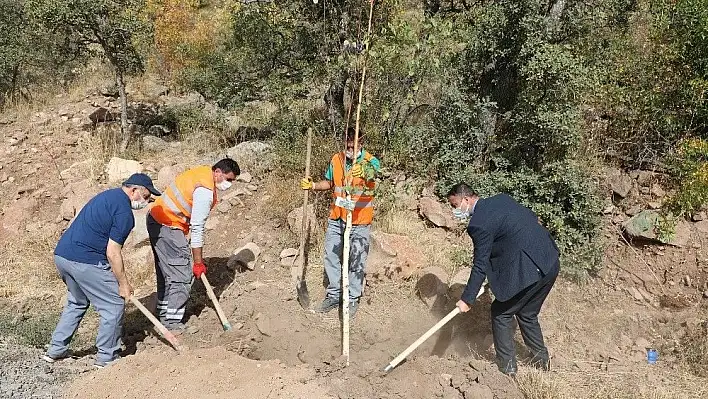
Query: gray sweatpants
{"points": [[89, 284], [358, 251], [173, 267]]}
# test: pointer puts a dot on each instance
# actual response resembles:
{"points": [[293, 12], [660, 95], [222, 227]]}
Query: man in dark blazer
{"points": [[521, 262]]}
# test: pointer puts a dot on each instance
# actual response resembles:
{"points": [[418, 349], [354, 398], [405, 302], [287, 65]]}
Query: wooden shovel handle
{"points": [[156, 323], [305, 196], [210, 292], [422, 339]]}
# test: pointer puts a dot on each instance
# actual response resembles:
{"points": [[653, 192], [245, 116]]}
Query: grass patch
{"points": [[35, 330]]}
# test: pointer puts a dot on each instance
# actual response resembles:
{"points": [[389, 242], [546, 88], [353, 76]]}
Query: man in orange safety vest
{"points": [[183, 208], [341, 167]]}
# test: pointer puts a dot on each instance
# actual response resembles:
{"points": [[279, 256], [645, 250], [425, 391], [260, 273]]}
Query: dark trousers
{"points": [[525, 306]]}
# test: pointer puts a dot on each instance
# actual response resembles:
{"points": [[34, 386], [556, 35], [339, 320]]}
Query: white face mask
{"points": [[350, 154], [460, 214], [139, 203], [224, 185]]}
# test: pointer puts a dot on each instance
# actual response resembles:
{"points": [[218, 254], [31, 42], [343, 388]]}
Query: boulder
{"points": [[657, 190], [295, 220], [167, 175], [119, 169], [682, 234], [433, 211], [191, 100], [405, 259], [255, 156], [288, 256], [246, 256], [102, 114], [153, 143], [223, 206], [244, 177], [620, 183], [76, 199], [432, 287], [139, 235], [644, 177], [77, 170], [108, 88], [458, 283], [642, 226], [16, 215]]}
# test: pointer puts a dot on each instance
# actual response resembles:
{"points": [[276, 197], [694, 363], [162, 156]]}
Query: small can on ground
{"points": [[652, 356]]}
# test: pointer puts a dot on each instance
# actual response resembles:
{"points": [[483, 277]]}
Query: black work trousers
{"points": [[525, 306]]}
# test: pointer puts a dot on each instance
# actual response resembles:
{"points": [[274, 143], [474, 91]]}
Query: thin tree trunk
{"points": [[124, 128]]}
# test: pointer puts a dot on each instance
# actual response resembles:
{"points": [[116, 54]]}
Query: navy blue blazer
{"points": [[511, 248]]}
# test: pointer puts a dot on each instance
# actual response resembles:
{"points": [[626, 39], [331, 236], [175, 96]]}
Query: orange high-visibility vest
{"points": [[174, 207], [363, 212]]}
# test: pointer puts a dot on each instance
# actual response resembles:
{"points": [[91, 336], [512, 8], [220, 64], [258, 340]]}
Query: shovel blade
{"points": [[303, 295]]}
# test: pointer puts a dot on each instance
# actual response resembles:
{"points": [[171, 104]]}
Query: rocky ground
{"points": [[648, 295]]}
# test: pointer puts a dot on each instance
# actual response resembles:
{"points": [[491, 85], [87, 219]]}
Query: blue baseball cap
{"points": [[141, 179]]}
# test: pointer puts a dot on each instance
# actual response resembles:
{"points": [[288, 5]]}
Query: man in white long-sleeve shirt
{"points": [[183, 208]]}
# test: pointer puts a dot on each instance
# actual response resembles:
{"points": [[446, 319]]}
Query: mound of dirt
{"points": [[202, 373]]}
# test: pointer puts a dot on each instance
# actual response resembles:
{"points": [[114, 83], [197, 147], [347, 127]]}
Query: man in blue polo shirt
{"points": [[89, 260]]}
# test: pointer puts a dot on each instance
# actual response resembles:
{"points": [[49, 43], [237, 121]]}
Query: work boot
{"points": [[507, 367], [328, 304], [542, 364]]}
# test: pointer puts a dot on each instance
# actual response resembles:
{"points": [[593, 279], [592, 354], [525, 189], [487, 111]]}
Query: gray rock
{"points": [[244, 177], [288, 252], [620, 183], [634, 210], [223, 206], [642, 226], [255, 156], [119, 169], [644, 177], [102, 115], [153, 143], [657, 191], [167, 175], [245, 256]]}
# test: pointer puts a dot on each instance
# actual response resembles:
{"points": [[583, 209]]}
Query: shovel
{"points": [[210, 292], [425, 336], [158, 326], [303, 295]]}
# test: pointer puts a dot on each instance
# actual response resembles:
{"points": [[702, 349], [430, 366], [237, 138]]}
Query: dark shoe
{"points": [[327, 305], [507, 367], [542, 364], [353, 307]]}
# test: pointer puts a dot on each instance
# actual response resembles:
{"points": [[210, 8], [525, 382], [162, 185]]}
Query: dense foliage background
{"points": [[520, 96]]}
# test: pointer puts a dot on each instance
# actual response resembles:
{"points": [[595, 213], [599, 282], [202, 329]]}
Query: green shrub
{"points": [[564, 197], [690, 176]]}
